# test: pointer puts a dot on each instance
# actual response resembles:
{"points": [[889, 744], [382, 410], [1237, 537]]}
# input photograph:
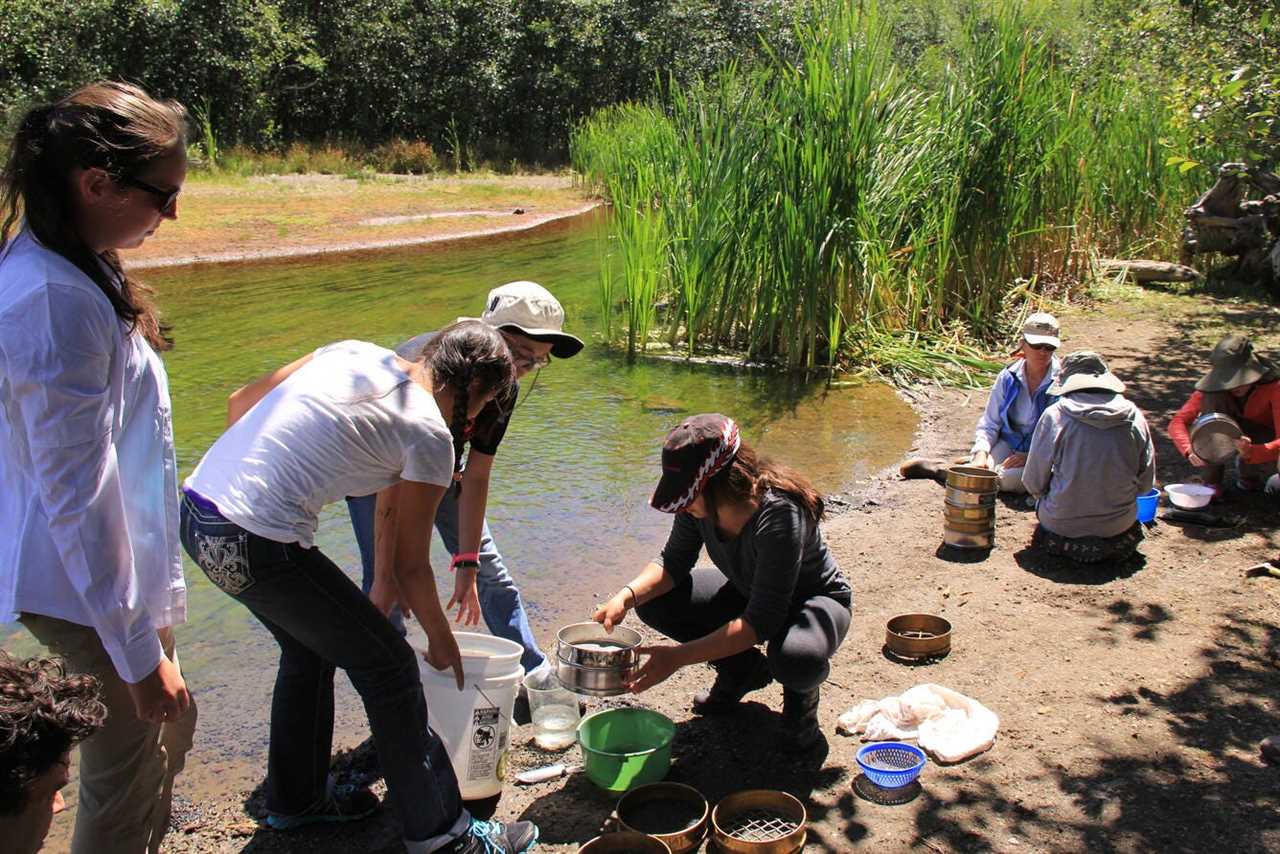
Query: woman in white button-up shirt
{"points": [[88, 483]]}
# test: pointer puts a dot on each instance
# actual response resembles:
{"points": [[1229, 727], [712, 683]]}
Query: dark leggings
{"points": [[799, 654]]}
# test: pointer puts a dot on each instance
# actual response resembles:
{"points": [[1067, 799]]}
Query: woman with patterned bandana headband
{"points": [[775, 581]]}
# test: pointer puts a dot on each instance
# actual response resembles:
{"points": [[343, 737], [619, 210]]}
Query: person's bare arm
{"points": [[471, 510], [384, 593], [243, 399], [404, 519], [651, 583], [659, 661]]}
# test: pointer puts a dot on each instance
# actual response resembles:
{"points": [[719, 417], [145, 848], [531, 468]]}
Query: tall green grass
{"points": [[834, 206]]}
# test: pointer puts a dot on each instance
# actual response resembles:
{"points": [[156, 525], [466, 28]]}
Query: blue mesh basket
{"points": [[890, 764]]}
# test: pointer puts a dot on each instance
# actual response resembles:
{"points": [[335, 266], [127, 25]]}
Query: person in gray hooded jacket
{"points": [[1091, 456]]}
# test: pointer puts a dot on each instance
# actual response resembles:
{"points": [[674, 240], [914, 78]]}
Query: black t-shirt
{"points": [[485, 433], [776, 562]]}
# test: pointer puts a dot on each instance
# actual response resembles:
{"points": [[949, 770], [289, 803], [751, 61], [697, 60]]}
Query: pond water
{"points": [[568, 505]]}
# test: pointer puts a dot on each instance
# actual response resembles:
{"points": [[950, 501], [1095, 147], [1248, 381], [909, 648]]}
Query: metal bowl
{"points": [[960, 513], [1213, 437], [634, 807], [591, 645], [962, 540], [758, 821], [594, 681], [918, 636], [625, 842], [985, 527], [972, 479], [962, 498]]}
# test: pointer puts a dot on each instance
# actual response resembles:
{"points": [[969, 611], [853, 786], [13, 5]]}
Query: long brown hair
{"points": [[749, 475], [463, 353], [116, 127]]}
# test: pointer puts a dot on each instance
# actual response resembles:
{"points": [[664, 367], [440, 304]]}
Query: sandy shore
{"points": [[516, 223], [225, 218]]}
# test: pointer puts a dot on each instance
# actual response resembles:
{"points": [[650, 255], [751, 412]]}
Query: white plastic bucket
{"points": [[475, 723]]}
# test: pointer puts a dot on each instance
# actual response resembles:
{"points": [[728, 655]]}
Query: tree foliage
{"points": [[512, 75]]}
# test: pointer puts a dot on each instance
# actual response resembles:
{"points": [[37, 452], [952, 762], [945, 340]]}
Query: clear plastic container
{"points": [[553, 710]]}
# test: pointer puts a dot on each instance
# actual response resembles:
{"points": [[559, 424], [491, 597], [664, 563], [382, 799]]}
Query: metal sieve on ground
{"points": [[760, 825], [758, 821]]}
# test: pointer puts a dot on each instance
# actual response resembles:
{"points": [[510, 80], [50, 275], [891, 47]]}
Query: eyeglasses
{"points": [[528, 361], [166, 199], [1041, 347]]}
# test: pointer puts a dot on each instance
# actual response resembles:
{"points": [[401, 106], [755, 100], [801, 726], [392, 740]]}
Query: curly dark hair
{"points": [[464, 354], [43, 712]]}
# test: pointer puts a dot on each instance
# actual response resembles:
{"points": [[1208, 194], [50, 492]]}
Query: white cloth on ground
{"points": [[946, 723]]}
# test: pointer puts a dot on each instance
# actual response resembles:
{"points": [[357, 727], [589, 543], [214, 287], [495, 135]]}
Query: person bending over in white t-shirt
{"points": [[349, 419]]}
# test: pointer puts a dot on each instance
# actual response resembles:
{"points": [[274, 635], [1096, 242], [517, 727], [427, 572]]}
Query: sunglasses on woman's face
{"points": [[165, 199], [1043, 348]]}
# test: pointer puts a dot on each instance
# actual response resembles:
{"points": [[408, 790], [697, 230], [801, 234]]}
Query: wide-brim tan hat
{"points": [[531, 310], [1085, 371], [1234, 364]]}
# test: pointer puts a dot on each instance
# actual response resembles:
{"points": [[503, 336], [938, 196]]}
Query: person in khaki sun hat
{"points": [[1019, 396], [1091, 456], [1242, 385]]}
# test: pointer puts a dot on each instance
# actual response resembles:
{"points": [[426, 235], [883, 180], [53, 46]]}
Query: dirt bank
{"points": [[227, 219], [1131, 701]]}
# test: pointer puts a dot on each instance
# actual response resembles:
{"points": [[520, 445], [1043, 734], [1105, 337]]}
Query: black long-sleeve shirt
{"points": [[776, 562]]}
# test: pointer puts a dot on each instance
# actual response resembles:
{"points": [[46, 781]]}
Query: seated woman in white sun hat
{"points": [[1019, 396]]}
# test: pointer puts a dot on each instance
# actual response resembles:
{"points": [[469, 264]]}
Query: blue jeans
{"points": [[321, 622], [500, 601]]}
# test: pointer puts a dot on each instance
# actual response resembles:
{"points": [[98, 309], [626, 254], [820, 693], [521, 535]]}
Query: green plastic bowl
{"points": [[625, 748]]}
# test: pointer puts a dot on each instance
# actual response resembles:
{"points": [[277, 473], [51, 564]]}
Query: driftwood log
{"points": [[1149, 271], [1225, 220]]}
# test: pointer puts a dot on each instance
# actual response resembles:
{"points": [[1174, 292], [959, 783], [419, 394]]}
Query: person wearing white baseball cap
{"points": [[1019, 396], [532, 322]]}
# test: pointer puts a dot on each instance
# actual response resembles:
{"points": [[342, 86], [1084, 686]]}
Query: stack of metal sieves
{"points": [[970, 511]]}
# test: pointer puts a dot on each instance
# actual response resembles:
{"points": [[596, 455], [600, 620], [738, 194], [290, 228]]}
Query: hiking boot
{"points": [[922, 469], [800, 718], [341, 803], [728, 690], [494, 837]]}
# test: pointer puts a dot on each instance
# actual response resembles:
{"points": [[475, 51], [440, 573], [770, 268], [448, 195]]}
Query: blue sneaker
{"points": [[342, 803], [494, 837]]}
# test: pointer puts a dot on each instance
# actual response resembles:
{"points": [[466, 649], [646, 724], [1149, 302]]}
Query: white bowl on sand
{"points": [[1189, 496]]}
